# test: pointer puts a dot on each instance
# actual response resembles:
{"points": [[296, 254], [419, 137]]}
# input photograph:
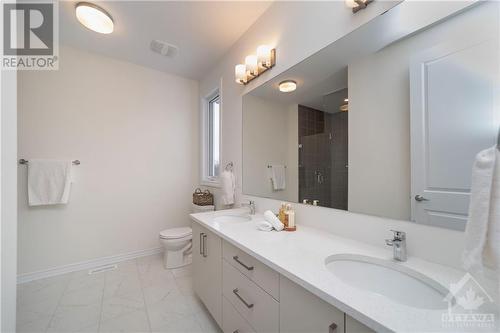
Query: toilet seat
{"points": [[176, 233]]}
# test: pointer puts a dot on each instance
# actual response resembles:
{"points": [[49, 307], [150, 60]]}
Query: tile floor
{"points": [[139, 296]]}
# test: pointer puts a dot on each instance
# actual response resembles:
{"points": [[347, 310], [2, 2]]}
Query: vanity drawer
{"points": [[232, 321], [253, 303], [265, 277]]}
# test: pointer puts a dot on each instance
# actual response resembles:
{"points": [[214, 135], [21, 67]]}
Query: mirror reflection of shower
{"points": [[323, 168]]}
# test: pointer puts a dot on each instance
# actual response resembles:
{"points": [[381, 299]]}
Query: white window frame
{"points": [[207, 180]]}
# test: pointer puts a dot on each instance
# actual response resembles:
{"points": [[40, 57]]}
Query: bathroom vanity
{"points": [[245, 295], [310, 280]]}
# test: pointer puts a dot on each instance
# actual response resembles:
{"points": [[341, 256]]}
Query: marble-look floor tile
{"points": [[118, 285], [207, 323], [41, 290], [119, 305], [74, 318], [133, 322], [185, 285], [139, 296], [82, 297], [35, 325], [182, 271], [174, 322]]}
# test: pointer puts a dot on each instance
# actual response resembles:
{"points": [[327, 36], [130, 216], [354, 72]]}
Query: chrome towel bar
{"points": [[25, 162]]}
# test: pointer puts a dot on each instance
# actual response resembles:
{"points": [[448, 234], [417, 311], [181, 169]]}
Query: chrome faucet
{"points": [[251, 206], [398, 244]]}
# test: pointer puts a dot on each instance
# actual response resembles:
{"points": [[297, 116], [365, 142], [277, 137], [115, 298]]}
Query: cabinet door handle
{"points": [[201, 242], [250, 268], [235, 291], [205, 254], [332, 328]]}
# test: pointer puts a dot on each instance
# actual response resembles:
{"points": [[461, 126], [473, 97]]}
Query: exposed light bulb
{"points": [[251, 65], [240, 73], [264, 55]]}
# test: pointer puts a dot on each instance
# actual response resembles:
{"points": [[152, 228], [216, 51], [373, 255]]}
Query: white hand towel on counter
{"points": [[49, 182], [278, 177], [228, 186], [482, 234], [273, 220], [264, 226]]}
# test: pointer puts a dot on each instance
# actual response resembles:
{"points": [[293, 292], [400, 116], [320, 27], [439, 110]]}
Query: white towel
{"points": [[482, 234], [264, 226], [278, 177], [273, 220], [228, 186], [49, 182]]}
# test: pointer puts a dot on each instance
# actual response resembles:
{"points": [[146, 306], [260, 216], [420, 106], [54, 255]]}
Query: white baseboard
{"points": [[88, 264]]}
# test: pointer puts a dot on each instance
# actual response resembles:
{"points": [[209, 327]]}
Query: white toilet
{"points": [[177, 243]]}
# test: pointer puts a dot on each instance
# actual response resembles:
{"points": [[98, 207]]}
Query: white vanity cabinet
{"points": [[246, 296], [207, 269], [301, 311]]}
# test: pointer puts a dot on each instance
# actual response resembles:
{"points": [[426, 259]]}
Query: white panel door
{"points": [[453, 116]]}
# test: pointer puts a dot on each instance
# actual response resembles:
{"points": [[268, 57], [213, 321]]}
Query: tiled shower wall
{"points": [[323, 157]]}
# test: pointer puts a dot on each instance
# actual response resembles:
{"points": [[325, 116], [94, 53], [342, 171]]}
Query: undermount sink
{"points": [[232, 218], [392, 280]]}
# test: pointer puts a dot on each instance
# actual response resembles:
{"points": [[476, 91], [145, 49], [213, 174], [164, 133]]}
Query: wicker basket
{"points": [[203, 198]]}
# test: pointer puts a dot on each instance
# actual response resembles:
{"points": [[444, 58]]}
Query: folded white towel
{"points": [[49, 182], [228, 186], [273, 220], [278, 177], [482, 234], [264, 226]]}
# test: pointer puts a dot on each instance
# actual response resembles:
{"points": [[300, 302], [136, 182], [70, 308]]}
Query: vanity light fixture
{"points": [[288, 86], [255, 65], [357, 5], [94, 17]]}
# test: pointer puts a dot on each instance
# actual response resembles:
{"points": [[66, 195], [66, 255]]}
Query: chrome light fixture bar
{"points": [[255, 65]]}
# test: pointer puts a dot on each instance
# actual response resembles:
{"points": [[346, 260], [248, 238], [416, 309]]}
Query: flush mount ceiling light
{"points": [[255, 65], [357, 5], [288, 86], [94, 17]]}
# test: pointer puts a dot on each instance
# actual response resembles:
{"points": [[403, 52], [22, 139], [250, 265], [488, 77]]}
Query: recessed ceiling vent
{"points": [[164, 48]]}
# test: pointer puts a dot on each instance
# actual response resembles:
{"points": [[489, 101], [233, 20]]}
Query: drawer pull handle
{"points": [[201, 243], [333, 328], [235, 291], [205, 254], [250, 268]]}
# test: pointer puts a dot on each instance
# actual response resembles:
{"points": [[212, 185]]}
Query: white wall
{"points": [[135, 132], [268, 135], [8, 201], [298, 30], [379, 113]]}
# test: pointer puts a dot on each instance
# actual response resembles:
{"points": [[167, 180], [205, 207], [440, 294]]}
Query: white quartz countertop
{"points": [[300, 256]]}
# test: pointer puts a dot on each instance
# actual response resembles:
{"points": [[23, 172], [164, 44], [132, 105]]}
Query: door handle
{"points": [[248, 305], [205, 245], [332, 328], [250, 268], [420, 198], [201, 243]]}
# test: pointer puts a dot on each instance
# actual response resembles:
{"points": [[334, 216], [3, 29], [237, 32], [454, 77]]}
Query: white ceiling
{"points": [[204, 31]]}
